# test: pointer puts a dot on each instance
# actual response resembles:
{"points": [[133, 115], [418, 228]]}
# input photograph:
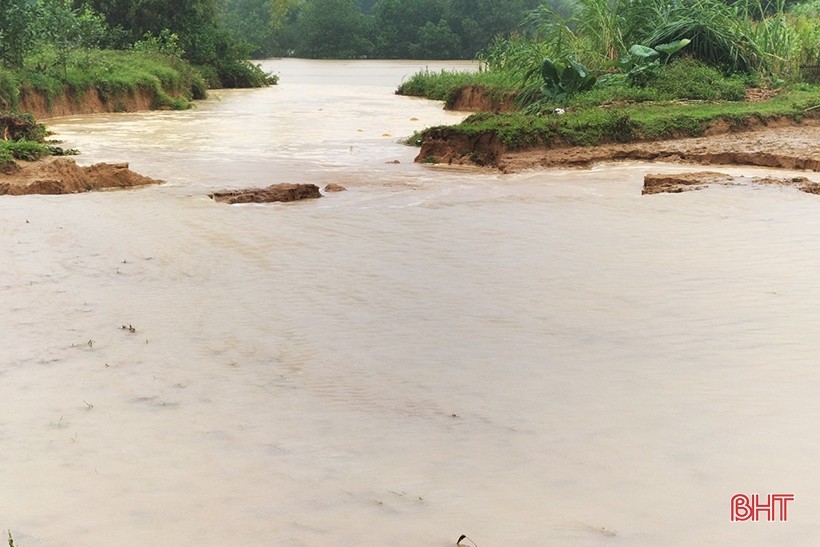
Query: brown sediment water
{"points": [[544, 358]]}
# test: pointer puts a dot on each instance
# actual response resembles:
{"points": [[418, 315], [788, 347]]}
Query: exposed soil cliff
{"points": [[91, 101], [443, 145], [476, 98]]}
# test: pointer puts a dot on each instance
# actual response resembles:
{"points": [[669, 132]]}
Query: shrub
{"points": [[688, 78], [9, 90], [243, 74]]}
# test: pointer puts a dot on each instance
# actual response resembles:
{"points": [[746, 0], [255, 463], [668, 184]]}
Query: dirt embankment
{"points": [[442, 145], [476, 98], [781, 144], [91, 101], [64, 176]]}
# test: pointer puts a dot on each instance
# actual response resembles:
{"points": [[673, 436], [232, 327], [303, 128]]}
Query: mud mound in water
{"points": [[683, 182], [274, 192], [64, 176]]}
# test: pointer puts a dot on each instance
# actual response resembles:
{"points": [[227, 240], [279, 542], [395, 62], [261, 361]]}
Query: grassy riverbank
{"points": [[590, 125], [687, 98], [114, 75], [632, 70], [88, 81], [444, 85]]}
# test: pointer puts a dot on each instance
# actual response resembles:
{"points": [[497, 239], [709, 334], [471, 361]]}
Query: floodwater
{"points": [[547, 358]]}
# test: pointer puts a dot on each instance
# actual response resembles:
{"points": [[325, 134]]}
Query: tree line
{"points": [[218, 33], [387, 29]]}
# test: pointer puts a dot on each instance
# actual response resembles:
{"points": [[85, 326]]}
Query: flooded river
{"points": [[546, 358]]}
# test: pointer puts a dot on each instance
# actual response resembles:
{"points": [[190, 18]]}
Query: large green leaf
{"points": [[550, 73], [673, 47], [643, 51], [578, 67], [570, 79], [587, 82]]}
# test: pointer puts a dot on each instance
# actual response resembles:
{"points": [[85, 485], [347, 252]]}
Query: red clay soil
{"points": [[88, 102], [64, 176]]}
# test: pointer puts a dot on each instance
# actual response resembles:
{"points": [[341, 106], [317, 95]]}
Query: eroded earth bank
{"points": [[779, 144]]}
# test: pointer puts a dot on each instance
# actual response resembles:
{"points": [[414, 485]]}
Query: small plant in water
{"points": [[11, 540]]}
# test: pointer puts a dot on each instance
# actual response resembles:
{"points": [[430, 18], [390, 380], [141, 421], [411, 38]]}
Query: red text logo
{"points": [[774, 507]]}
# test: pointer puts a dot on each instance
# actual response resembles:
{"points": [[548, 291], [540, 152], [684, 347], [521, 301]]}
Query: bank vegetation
{"points": [[630, 70]]}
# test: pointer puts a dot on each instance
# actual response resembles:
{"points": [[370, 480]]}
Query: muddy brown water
{"points": [[546, 358]]}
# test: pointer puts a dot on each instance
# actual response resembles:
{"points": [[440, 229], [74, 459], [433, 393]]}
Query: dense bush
{"points": [[688, 78]]}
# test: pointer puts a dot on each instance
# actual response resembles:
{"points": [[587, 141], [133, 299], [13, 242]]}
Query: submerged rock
{"points": [[274, 192], [333, 187]]}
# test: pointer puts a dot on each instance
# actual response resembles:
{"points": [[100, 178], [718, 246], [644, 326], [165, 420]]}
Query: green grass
{"points": [[171, 81], [441, 86], [686, 79], [684, 99], [24, 150], [25, 139], [592, 125]]}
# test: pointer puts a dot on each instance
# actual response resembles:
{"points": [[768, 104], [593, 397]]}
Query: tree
{"points": [[257, 23], [198, 30], [437, 41], [194, 21], [17, 30], [399, 24], [333, 29], [66, 28], [381, 28], [479, 21]]}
